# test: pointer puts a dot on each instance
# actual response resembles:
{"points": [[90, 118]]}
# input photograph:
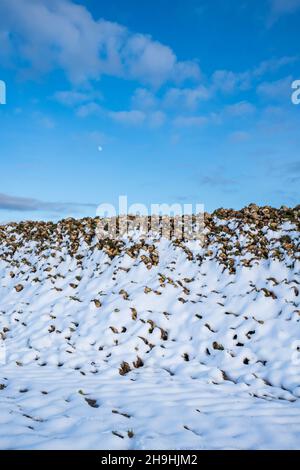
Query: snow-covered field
{"points": [[145, 343]]}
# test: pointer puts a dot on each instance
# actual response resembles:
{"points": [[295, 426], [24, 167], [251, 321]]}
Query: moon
{"points": [[100, 148]]}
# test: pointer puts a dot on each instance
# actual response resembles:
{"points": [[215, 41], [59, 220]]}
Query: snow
{"points": [[219, 351]]}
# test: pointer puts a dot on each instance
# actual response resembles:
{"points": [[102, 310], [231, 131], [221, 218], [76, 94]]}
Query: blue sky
{"points": [[190, 104]]}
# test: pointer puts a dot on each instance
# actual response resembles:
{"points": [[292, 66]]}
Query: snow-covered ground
{"points": [[151, 344]]}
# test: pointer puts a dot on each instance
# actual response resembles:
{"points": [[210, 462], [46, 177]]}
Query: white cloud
{"points": [[278, 90], [186, 70], [133, 117], [143, 99], [72, 97], [61, 34], [190, 121], [243, 108], [148, 60], [54, 34], [88, 109], [272, 65], [229, 82], [233, 111], [136, 117], [186, 97], [282, 7]]}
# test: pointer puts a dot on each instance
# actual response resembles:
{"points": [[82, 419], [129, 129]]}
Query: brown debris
{"points": [[124, 368]]}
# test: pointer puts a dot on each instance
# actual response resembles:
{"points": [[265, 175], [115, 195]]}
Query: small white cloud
{"points": [[242, 108], [186, 70], [224, 80], [143, 99], [277, 90], [188, 98], [274, 64], [88, 109], [148, 60], [134, 117], [72, 97], [280, 8], [190, 121]]}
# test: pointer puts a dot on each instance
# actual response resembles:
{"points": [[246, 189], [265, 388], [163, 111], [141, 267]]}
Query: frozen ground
{"points": [[151, 344], [48, 410]]}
